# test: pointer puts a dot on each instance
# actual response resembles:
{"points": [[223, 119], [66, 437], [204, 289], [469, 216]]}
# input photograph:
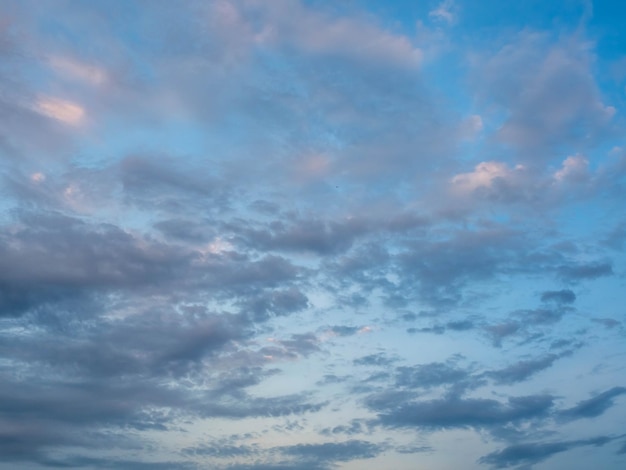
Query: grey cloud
{"points": [[379, 359], [332, 379], [114, 464], [334, 452], [376, 377], [185, 230], [429, 375], [522, 370], [221, 450], [323, 456], [158, 182], [268, 303], [298, 345], [355, 427], [52, 255], [460, 325], [278, 466], [527, 323], [37, 413], [564, 296], [454, 412], [560, 94], [540, 316], [609, 323], [247, 406], [500, 331], [439, 329], [532, 453], [586, 271], [316, 236], [594, 406], [441, 269], [415, 449], [342, 330], [615, 238]]}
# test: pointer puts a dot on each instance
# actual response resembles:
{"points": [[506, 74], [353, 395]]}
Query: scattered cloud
{"points": [[311, 220]]}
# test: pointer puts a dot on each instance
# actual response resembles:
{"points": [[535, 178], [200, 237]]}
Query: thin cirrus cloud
{"points": [[308, 235]]}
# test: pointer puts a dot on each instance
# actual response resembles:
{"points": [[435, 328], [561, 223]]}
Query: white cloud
{"points": [[60, 110], [77, 70], [319, 33], [38, 177], [484, 175], [444, 12], [574, 169]]}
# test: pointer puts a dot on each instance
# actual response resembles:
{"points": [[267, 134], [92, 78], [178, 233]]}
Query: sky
{"points": [[312, 234]]}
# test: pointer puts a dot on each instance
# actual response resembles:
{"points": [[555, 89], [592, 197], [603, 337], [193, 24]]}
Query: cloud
{"points": [[499, 331], [560, 95], [379, 359], [444, 12], [575, 169], [62, 110], [454, 412], [334, 451], [594, 406], [349, 38], [564, 296], [522, 370], [486, 175], [609, 323], [201, 200], [429, 375], [532, 453], [91, 74], [581, 271]]}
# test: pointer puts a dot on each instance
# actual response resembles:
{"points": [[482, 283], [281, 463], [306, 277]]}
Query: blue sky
{"points": [[289, 235]]}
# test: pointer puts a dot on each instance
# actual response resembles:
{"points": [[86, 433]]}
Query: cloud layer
{"points": [[239, 234]]}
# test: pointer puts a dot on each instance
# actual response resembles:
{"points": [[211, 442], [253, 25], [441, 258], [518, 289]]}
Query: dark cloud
{"points": [[354, 428], [438, 271], [278, 466], [342, 330], [594, 406], [429, 375], [460, 325], [114, 464], [539, 316], [379, 359], [532, 453], [522, 370], [452, 412], [615, 238], [334, 451], [298, 345], [580, 272], [221, 450], [316, 236], [609, 323], [269, 303], [500, 331], [185, 230], [323, 456], [564, 296]]}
